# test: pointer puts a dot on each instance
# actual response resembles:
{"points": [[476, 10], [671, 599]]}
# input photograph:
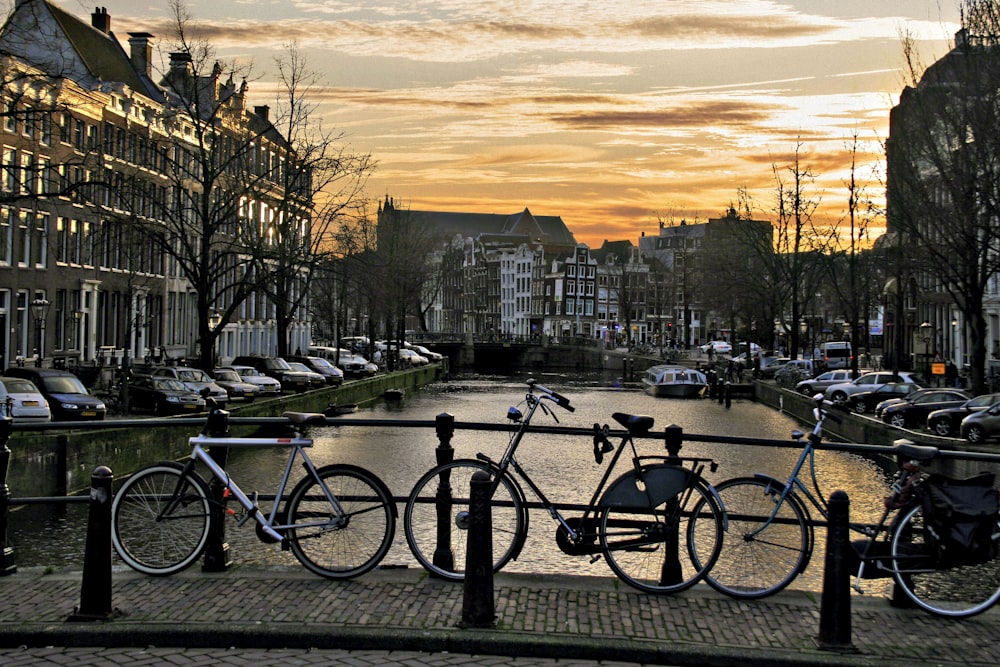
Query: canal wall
{"points": [[56, 463], [866, 430]]}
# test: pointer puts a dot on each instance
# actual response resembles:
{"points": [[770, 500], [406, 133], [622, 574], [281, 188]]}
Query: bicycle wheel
{"points": [[439, 504], [153, 533], [347, 545], [959, 591], [758, 560], [642, 545]]}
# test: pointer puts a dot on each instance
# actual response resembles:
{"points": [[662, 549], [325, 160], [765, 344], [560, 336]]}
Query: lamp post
{"points": [[925, 335], [804, 329], [214, 320], [40, 311]]}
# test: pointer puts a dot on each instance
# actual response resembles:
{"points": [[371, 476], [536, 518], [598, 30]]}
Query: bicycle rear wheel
{"points": [[958, 591], [439, 504], [159, 519], [760, 558], [346, 545], [642, 545]]}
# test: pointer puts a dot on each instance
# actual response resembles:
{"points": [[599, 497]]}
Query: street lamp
{"points": [[40, 311], [925, 334]]}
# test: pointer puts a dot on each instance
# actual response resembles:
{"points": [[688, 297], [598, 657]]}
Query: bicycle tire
{"points": [[156, 545], [427, 525], [637, 546], [347, 546], [755, 566], [955, 592]]}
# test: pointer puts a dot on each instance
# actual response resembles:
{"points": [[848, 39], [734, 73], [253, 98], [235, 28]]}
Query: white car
{"points": [[411, 358], [839, 393], [720, 347], [433, 357], [266, 386], [21, 400]]}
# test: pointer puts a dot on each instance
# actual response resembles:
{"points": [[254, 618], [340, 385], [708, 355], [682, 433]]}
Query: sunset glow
{"points": [[610, 115]]}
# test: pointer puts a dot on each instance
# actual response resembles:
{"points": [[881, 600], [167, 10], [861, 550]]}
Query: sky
{"points": [[615, 116]]}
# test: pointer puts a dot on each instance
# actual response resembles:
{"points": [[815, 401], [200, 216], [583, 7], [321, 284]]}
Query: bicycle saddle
{"points": [[913, 451], [635, 424], [305, 418]]}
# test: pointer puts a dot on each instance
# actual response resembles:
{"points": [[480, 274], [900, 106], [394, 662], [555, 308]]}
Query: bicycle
{"points": [[770, 539], [633, 522], [339, 520]]}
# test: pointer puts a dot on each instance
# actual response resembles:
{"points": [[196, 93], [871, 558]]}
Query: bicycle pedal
{"points": [[595, 558]]}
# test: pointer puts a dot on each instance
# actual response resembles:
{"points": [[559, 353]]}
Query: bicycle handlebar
{"points": [[556, 398]]}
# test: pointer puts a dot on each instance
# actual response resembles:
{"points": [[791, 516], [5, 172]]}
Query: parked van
{"points": [[836, 354]]}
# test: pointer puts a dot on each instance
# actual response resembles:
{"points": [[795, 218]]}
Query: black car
{"points": [[68, 399], [946, 422], [163, 396], [865, 401], [331, 374], [913, 410]]}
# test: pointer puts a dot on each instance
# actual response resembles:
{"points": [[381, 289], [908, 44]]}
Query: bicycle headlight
{"points": [[513, 414]]}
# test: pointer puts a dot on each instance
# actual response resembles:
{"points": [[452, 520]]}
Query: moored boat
{"points": [[674, 382]]}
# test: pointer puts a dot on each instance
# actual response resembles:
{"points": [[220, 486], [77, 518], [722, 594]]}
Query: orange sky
{"points": [[610, 115]]}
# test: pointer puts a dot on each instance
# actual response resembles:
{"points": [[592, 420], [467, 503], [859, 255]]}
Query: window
{"points": [[41, 247], [65, 128], [9, 169], [79, 135], [6, 235], [24, 234]]}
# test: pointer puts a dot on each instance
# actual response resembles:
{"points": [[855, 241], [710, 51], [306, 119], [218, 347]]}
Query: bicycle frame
{"points": [[267, 524], [509, 461]]}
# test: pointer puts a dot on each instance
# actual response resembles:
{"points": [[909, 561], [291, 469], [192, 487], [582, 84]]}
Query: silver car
{"points": [[839, 393]]}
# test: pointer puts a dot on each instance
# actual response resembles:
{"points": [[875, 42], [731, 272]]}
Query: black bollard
{"points": [[835, 608], [729, 395], [218, 554], [95, 588], [444, 556], [719, 389], [7, 565], [478, 609]]}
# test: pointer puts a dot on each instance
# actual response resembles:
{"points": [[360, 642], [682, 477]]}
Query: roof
{"points": [[547, 230], [92, 52]]}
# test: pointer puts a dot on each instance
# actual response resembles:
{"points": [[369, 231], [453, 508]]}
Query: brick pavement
{"points": [[402, 615]]}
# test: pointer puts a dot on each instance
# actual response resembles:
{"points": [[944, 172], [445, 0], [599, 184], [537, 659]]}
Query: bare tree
{"points": [[943, 171]]}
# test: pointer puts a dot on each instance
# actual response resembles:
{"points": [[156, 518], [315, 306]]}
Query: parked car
{"points": [[196, 380], [793, 372], [719, 346], [914, 409], [409, 358], [947, 422], [982, 425], [839, 393], [21, 401], [354, 365], [432, 357], [266, 386], [316, 380], [861, 402], [68, 399], [819, 383], [277, 368], [235, 386], [331, 374], [771, 369], [163, 395]]}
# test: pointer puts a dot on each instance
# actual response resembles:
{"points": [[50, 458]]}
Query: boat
{"points": [[334, 410], [393, 394], [672, 381]]}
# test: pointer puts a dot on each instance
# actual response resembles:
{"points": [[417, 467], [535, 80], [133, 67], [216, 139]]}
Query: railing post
{"points": [[95, 587], [670, 571], [218, 556], [7, 565], [835, 607], [444, 557], [478, 609]]}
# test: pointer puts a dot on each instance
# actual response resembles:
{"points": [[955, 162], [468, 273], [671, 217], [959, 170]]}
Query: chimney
{"points": [[180, 60], [100, 20], [141, 52], [262, 111]]}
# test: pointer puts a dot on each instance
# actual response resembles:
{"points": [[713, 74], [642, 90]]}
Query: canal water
{"points": [[562, 466]]}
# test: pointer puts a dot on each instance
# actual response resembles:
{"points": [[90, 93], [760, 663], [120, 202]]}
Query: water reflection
{"points": [[563, 466]]}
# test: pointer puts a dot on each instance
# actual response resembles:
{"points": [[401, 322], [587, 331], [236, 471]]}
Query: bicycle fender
{"points": [[661, 484]]}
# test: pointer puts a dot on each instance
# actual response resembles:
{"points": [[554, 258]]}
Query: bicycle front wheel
{"points": [[159, 519], [760, 555], [345, 543], [642, 545], [438, 506], [959, 591]]}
